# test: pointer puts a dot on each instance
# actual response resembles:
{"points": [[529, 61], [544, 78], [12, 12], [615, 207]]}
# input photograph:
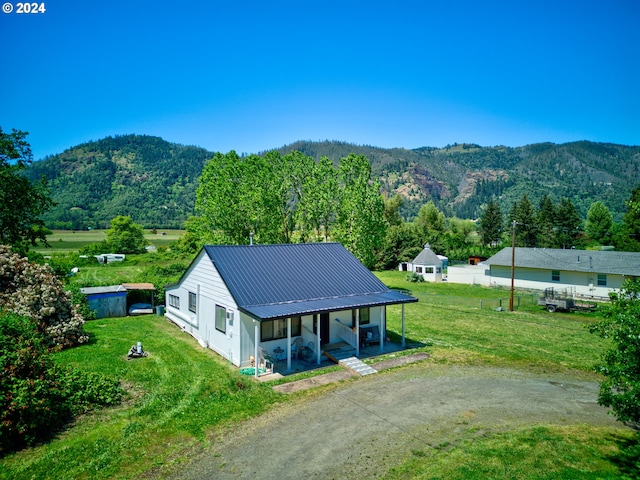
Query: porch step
{"points": [[357, 365]]}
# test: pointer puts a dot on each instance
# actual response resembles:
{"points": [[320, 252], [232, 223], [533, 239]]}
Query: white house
{"points": [[242, 298], [588, 273], [427, 264]]}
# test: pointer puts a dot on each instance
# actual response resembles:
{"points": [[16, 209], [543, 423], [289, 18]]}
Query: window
{"points": [[428, 269], [364, 316], [418, 270], [602, 280], [221, 319], [277, 329], [174, 301], [192, 302], [555, 275]]}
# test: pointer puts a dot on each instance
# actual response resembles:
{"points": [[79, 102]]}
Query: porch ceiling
{"points": [[309, 307]]}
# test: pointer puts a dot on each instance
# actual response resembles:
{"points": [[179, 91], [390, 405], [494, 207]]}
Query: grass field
{"points": [[66, 241], [182, 396]]}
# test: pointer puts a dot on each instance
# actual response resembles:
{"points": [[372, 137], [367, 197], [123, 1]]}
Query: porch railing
{"points": [[311, 335], [346, 333]]}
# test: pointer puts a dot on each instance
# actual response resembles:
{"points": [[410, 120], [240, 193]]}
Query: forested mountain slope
{"points": [[147, 178], [154, 181]]}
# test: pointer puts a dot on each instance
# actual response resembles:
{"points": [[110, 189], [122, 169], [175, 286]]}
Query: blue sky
{"points": [[251, 76]]}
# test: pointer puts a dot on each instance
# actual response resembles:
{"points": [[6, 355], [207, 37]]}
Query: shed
{"points": [[428, 265], [110, 301]]}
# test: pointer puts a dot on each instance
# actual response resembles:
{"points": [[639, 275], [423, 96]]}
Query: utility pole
{"points": [[513, 264]]}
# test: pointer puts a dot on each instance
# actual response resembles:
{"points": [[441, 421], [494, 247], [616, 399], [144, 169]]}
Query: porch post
{"points": [[318, 337], [256, 339], [403, 342], [357, 332], [383, 327], [288, 343]]}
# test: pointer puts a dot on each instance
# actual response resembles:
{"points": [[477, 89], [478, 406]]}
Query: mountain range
{"points": [[154, 181]]}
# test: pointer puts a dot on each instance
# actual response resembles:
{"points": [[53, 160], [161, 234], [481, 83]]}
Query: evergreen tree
{"points": [[491, 223], [568, 223], [523, 214], [599, 223], [546, 220]]}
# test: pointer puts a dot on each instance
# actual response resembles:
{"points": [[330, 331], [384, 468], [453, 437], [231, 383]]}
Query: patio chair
{"points": [[264, 361], [296, 347]]}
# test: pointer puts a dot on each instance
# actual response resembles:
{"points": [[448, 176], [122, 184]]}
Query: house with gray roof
{"points": [[589, 273], [239, 300]]}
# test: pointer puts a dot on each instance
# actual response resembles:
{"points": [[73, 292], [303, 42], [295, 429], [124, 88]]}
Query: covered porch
{"points": [[298, 343]]}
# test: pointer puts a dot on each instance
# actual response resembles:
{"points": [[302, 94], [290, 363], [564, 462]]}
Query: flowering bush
{"points": [[33, 291]]}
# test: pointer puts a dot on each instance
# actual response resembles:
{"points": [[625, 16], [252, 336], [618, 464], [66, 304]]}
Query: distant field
{"points": [[63, 241]]}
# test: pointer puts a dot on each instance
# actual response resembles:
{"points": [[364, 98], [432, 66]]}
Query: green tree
{"points": [[430, 224], [523, 214], [321, 200], [124, 236], [491, 222], [599, 223], [568, 224], [621, 363], [21, 201], [546, 223], [630, 240], [360, 226]]}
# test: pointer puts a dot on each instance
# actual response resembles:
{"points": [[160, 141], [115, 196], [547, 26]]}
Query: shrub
{"points": [[414, 277], [33, 291], [37, 397]]}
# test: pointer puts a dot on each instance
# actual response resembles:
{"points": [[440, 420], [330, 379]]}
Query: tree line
{"points": [[559, 225]]}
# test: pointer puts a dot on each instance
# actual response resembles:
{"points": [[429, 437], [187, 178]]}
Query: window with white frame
{"points": [[174, 301], [602, 280], [192, 302], [418, 270], [428, 270], [221, 319], [555, 275]]}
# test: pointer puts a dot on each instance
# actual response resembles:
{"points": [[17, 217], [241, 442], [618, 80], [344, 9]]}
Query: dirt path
{"points": [[361, 429]]}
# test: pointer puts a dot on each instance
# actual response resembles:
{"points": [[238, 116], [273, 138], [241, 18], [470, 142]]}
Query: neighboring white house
{"points": [[588, 273], [427, 264], [237, 299]]}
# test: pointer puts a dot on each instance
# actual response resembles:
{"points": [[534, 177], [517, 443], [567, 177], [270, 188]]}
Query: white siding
{"points": [[203, 279]]}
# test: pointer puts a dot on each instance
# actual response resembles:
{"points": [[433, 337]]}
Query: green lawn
{"points": [[182, 394]]}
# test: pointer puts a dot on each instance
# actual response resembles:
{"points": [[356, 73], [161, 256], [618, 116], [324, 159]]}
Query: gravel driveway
{"points": [[362, 428]]}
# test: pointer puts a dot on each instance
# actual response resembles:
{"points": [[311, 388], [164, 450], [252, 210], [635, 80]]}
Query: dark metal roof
{"points": [[621, 263], [278, 281]]}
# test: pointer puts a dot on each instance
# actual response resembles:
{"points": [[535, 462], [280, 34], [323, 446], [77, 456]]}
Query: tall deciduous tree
{"points": [[430, 224], [491, 222], [621, 363], [360, 226], [124, 236], [21, 202], [632, 222], [599, 222]]}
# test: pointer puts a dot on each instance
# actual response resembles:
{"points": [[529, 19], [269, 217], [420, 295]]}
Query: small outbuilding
{"points": [[109, 301], [428, 265]]}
